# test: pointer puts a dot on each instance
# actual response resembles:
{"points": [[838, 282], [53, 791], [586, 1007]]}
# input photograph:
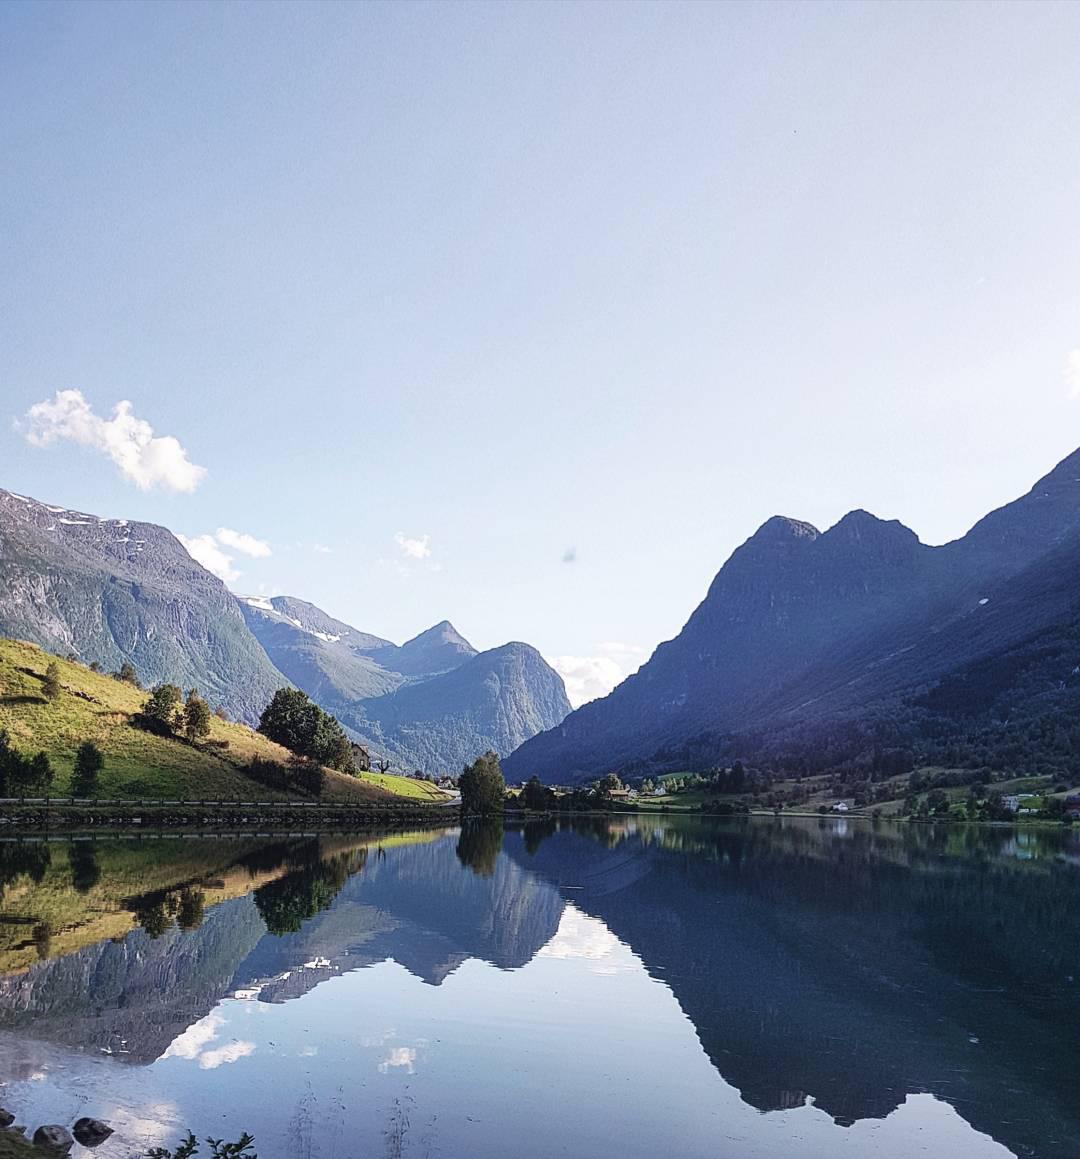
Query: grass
{"points": [[404, 786], [93, 706]]}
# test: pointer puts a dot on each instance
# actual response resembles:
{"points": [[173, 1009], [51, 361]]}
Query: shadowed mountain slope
{"points": [[800, 628]]}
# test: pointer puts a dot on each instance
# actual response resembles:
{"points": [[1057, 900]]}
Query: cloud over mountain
{"points": [[143, 458]]}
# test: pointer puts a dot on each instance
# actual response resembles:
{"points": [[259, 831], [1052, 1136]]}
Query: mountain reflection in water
{"points": [[836, 975]]}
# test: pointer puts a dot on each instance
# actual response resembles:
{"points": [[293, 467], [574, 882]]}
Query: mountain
{"points": [[494, 700], [860, 626], [113, 590], [434, 703]]}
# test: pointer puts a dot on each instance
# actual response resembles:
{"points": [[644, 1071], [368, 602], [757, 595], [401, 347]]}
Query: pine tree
{"points": [[88, 763]]}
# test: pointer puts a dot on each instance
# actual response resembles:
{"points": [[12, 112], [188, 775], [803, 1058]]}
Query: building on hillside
{"points": [[362, 757], [840, 807]]}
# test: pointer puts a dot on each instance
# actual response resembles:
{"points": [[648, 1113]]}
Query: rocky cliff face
{"points": [[801, 626], [113, 590], [434, 703]]}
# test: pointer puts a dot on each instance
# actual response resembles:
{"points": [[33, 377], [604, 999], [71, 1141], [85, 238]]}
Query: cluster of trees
{"points": [[285, 904], [482, 786], [21, 775], [168, 712], [157, 912], [294, 721], [537, 797]]}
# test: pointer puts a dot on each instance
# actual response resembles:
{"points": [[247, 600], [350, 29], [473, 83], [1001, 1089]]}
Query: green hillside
{"points": [[96, 707]]}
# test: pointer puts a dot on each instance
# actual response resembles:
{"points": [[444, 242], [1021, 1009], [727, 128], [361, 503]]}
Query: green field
{"points": [[93, 706], [405, 786]]}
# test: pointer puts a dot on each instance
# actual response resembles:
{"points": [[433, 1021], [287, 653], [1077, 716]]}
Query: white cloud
{"points": [[586, 677], [590, 677], [322, 549], [580, 936], [212, 1059], [209, 550], [244, 543], [191, 1044], [413, 548], [617, 648], [399, 1056], [198, 1034], [1072, 372], [204, 549], [145, 459]]}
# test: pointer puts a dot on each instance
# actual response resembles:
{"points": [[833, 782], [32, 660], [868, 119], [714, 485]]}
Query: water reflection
{"points": [[834, 973]]}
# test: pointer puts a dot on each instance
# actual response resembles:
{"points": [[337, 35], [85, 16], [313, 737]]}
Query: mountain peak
{"points": [[783, 529], [443, 633], [863, 527]]}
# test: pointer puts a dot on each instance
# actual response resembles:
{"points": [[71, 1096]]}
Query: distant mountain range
{"points": [[820, 650], [113, 590], [432, 703]]}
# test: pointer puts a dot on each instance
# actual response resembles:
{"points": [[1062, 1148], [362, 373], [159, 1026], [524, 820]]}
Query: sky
{"points": [[526, 315]]}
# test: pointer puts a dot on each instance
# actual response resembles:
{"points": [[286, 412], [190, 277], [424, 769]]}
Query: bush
{"points": [[51, 684], [272, 774]]}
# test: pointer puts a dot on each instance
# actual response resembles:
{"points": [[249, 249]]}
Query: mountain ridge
{"points": [[800, 627]]}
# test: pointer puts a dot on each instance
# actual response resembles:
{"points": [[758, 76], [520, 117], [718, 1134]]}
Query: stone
{"points": [[55, 1137], [91, 1132], [6, 1118]]}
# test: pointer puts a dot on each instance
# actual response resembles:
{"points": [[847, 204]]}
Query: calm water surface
{"points": [[800, 988]]}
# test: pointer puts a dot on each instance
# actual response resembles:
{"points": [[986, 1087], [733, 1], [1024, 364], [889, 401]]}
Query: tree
{"points": [[162, 705], [196, 716], [85, 872], [51, 684], [479, 845], [482, 786], [608, 784], [88, 763], [297, 723], [128, 675], [40, 773], [290, 720], [189, 916], [152, 916], [537, 796], [20, 774]]}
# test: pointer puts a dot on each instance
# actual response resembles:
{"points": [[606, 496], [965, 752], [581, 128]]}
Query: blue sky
{"points": [[526, 315]]}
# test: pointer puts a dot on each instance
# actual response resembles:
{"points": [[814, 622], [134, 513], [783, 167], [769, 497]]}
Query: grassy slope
{"points": [[136, 762]]}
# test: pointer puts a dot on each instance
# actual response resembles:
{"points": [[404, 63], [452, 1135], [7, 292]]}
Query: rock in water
{"points": [[91, 1132], [55, 1137], [6, 1118]]}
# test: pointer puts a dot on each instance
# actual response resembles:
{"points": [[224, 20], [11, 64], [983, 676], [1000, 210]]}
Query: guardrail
{"points": [[217, 802]]}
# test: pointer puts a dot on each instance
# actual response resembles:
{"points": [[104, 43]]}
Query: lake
{"points": [[632, 987]]}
